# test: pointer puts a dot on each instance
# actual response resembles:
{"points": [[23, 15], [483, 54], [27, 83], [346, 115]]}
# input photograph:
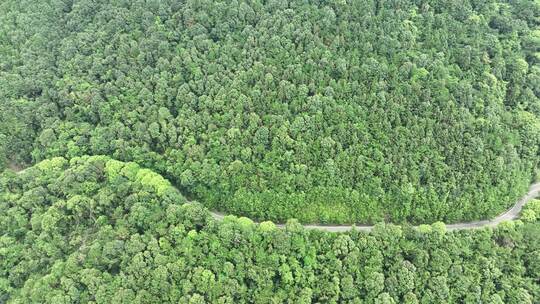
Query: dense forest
{"points": [[97, 230], [325, 111]]}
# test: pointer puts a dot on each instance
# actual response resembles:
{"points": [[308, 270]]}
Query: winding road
{"points": [[512, 213]]}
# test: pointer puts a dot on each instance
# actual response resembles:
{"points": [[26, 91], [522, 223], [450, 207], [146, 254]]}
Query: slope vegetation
{"points": [[326, 111], [96, 230]]}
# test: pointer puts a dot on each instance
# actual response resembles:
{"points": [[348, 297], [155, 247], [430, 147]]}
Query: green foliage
{"points": [[267, 226], [56, 164], [531, 211], [325, 111], [83, 231], [3, 148], [529, 215]]}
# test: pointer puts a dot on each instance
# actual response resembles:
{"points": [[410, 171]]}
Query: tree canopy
{"points": [[97, 230], [325, 111]]}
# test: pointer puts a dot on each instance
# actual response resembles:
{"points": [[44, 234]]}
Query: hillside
{"points": [[97, 230], [325, 111]]}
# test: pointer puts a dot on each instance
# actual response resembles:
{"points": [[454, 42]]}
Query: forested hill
{"points": [[97, 230], [326, 111]]}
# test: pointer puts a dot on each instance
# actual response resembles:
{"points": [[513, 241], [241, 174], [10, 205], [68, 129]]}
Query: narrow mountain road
{"points": [[511, 214]]}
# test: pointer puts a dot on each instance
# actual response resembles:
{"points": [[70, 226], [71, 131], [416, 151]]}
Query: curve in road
{"points": [[510, 214]]}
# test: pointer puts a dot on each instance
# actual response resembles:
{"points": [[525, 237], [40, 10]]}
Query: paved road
{"points": [[511, 214]]}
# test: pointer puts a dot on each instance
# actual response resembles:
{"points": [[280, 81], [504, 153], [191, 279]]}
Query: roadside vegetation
{"points": [[125, 123], [97, 230]]}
